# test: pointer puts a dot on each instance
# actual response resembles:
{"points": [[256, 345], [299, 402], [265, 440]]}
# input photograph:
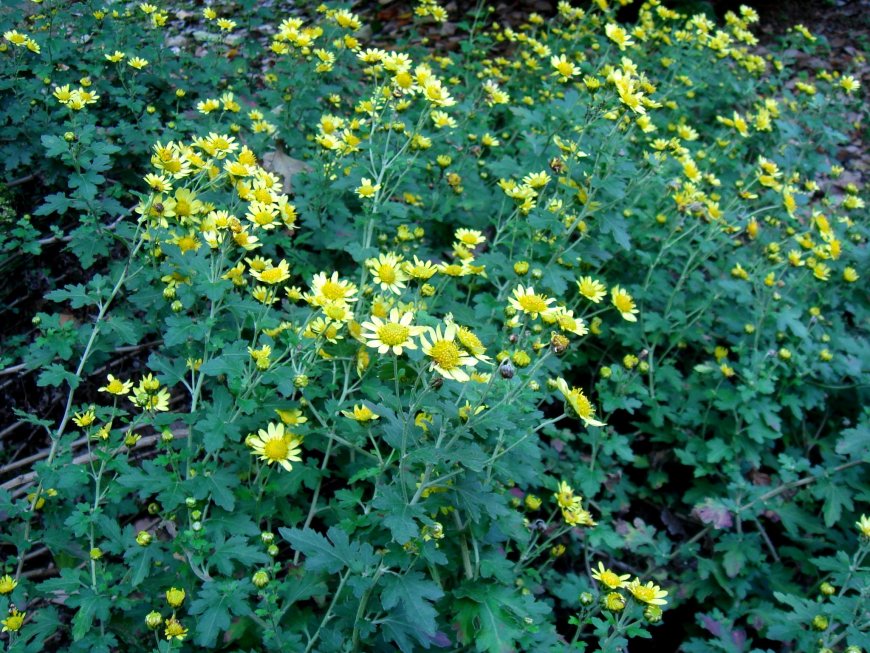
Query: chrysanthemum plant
{"points": [[393, 310]]}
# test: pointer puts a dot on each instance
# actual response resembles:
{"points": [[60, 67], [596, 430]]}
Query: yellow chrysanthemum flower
{"points": [[608, 578], [651, 594], [395, 334], [447, 358], [274, 445], [624, 304], [525, 299]]}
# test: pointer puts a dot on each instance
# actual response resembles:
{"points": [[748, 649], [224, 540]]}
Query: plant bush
{"points": [[546, 343]]}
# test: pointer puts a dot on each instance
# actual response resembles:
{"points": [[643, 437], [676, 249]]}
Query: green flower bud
{"points": [[652, 613], [143, 538], [260, 579], [153, 620], [820, 622]]}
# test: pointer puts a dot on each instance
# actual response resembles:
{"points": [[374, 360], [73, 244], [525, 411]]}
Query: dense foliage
{"points": [[546, 343]]}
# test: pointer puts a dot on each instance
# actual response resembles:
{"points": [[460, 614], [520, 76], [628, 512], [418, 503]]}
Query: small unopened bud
{"points": [[820, 622], [153, 620], [260, 579], [586, 598], [614, 602], [506, 369], [143, 538], [652, 613], [827, 589], [267, 537]]}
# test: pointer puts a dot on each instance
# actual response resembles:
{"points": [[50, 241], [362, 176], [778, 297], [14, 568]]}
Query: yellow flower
{"points": [[850, 275], [291, 416], [849, 84], [579, 403], [331, 289], [420, 269], [447, 358], [7, 584], [14, 621], [565, 495], [387, 271], [86, 418], [623, 303], [608, 578], [532, 502], [525, 299], [175, 596], [138, 63], [650, 593], [591, 289], [273, 274], [618, 35], [393, 335], [614, 601], [863, 525], [361, 413], [564, 69], [174, 629], [15, 37], [366, 189], [470, 237], [274, 445], [115, 57], [116, 386]]}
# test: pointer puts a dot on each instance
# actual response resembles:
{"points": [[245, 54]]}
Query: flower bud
{"points": [[143, 538], [175, 597], [153, 620], [820, 622], [614, 602], [586, 598], [827, 589], [506, 369], [521, 267], [652, 613], [267, 537], [260, 579], [272, 550]]}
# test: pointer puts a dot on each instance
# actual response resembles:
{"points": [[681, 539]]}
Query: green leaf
{"points": [[399, 517], [215, 603], [235, 549], [413, 595], [55, 375], [323, 555]]}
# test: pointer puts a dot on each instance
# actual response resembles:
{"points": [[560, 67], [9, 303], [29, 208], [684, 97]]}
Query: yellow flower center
{"points": [[446, 354], [610, 579], [581, 405], [392, 334], [624, 303], [276, 449], [643, 593], [533, 303], [470, 341], [115, 387], [332, 290], [387, 273], [272, 275]]}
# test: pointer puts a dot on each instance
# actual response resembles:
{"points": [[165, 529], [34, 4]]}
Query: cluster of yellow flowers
{"points": [[172, 627], [650, 595], [20, 40]]}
